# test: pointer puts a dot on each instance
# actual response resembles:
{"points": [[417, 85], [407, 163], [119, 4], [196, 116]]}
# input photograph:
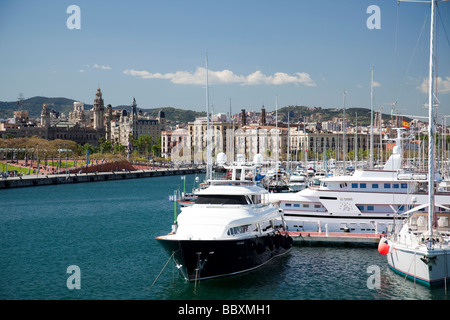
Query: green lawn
{"points": [[23, 170], [70, 163]]}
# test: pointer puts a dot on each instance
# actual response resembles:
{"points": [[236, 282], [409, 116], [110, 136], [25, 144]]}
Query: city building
{"points": [[125, 126], [221, 137], [175, 145]]}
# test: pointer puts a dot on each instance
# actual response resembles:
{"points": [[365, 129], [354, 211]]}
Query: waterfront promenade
{"points": [[98, 172]]}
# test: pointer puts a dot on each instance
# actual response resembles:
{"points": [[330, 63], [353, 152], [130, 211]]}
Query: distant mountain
{"points": [[63, 105], [34, 106], [317, 114], [174, 116]]}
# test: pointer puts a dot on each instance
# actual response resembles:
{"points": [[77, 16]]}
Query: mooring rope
{"points": [[195, 282], [406, 273], [162, 269]]}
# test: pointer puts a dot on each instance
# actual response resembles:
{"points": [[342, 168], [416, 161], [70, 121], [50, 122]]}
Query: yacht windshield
{"points": [[221, 199]]}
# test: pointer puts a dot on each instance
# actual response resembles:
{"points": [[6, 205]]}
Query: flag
{"points": [[173, 197], [183, 177], [405, 124]]}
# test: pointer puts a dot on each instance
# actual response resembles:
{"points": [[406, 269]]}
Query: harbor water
{"points": [[106, 231]]}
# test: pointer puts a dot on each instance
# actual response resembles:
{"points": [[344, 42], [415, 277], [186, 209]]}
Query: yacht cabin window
{"points": [[256, 199], [223, 199], [241, 229]]}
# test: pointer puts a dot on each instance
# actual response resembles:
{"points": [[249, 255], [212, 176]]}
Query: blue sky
{"points": [[304, 52]]}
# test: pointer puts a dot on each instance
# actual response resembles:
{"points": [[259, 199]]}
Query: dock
{"points": [[53, 179], [346, 239]]}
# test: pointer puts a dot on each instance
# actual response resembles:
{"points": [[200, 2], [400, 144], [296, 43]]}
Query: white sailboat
{"points": [[421, 249]]}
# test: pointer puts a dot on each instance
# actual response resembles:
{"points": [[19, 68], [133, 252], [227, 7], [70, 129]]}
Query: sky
{"points": [[295, 52]]}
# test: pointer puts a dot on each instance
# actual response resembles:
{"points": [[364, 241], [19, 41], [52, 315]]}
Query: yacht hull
{"points": [[316, 222], [205, 259], [428, 267]]}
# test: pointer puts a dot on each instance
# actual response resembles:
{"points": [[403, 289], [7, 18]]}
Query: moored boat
{"points": [[420, 249], [367, 201], [231, 228]]}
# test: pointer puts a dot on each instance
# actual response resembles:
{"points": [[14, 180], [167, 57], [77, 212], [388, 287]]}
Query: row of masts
{"points": [[415, 155], [371, 160]]}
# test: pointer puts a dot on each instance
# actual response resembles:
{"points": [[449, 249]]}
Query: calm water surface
{"points": [[108, 230]]}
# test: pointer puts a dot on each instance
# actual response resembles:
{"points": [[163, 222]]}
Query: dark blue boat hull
{"points": [[205, 259]]}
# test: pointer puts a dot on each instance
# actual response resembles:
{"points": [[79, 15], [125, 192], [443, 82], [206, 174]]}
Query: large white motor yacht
{"points": [[231, 228], [365, 202]]}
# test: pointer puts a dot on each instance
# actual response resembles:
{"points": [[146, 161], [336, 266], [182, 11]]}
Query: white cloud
{"points": [[443, 85], [96, 66], [376, 84], [225, 77]]}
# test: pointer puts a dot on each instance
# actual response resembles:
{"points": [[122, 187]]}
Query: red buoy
{"points": [[383, 246]]}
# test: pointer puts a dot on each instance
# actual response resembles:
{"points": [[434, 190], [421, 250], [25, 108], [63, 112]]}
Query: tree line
{"points": [[141, 149]]}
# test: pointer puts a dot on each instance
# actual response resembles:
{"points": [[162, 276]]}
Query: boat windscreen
{"points": [[221, 199]]}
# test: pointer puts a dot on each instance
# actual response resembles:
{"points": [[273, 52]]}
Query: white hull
{"points": [[367, 201], [322, 223], [429, 267], [342, 211]]}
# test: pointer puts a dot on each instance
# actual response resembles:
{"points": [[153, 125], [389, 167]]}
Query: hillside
{"points": [[302, 113], [179, 116], [34, 106], [63, 105], [174, 116]]}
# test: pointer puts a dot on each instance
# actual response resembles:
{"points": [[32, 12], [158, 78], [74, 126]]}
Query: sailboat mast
{"points": [[371, 121], [288, 158], [356, 142], [431, 137], [208, 131], [229, 137], [344, 142], [276, 126]]}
